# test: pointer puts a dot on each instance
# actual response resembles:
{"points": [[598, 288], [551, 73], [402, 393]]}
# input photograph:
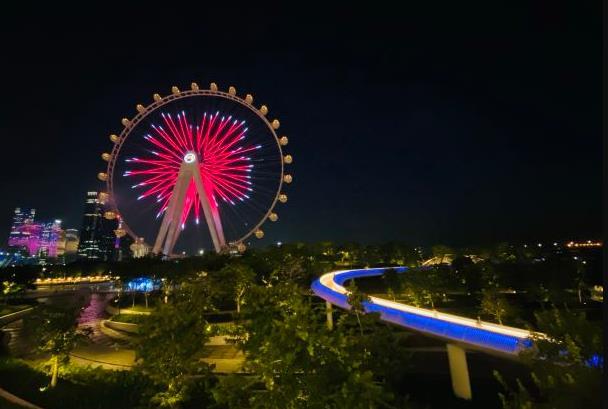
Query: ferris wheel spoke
{"points": [[184, 130], [213, 139], [162, 133], [174, 132], [216, 145], [207, 137], [163, 147], [227, 188], [153, 190]]}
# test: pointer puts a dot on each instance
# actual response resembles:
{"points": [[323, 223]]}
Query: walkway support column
{"points": [[459, 371]]}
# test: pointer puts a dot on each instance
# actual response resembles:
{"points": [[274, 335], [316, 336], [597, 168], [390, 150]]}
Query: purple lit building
{"points": [[32, 239], [49, 238], [24, 237]]}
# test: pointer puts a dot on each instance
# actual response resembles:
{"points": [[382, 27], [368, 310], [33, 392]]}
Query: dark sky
{"points": [[447, 124]]}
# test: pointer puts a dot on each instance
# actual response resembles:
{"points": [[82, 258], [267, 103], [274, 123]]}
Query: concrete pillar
{"points": [[330, 315], [459, 372]]}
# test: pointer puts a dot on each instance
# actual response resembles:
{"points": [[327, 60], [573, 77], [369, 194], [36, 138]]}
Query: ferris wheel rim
{"points": [[144, 111]]}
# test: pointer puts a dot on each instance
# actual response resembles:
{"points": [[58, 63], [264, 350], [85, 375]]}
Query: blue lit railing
{"points": [[470, 332], [143, 284]]}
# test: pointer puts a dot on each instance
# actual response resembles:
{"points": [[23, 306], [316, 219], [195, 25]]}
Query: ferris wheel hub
{"points": [[190, 157]]}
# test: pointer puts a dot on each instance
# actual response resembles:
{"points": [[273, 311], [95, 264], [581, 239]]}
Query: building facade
{"points": [[34, 241], [71, 245], [97, 238], [25, 235], [89, 246], [50, 234]]}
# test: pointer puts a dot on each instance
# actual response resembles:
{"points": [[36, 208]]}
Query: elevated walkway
{"points": [[459, 333]]}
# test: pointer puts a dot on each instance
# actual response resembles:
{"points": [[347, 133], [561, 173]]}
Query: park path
{"points": [[102, 350], [15, 346], [111, 353], [91, 316]]}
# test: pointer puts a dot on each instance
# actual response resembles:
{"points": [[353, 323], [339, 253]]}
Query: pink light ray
{"points": [[218, 141]]}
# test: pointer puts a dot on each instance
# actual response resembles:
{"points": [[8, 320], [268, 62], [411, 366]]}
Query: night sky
{"points": [[448, 124]]}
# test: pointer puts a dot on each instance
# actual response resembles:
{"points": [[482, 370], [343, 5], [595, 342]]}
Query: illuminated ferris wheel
{"points": [[195, 165]]}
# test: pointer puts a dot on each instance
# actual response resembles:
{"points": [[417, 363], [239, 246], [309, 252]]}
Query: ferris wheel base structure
{"points": [[171, 226]]}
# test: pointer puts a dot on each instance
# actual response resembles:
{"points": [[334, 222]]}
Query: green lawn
{"points": [[140, 308], [129, 318]]}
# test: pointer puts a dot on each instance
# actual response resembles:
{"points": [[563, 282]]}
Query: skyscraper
{"points": [[34, 241], [97, 239], [71, 245], [49, 239], [91, 233], [24, 237]]}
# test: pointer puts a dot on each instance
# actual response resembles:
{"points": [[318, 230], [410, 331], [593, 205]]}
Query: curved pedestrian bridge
{"points": [[469, 333]]}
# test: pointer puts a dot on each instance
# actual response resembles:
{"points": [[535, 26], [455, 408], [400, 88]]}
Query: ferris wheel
{"points": [[195, 158]]}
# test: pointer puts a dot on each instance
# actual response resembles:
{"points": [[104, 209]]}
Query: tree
{"points": [[471, 276], [566, 367], [489, 276], [356, 299], [371, 256], [504, 252], [56, 333], [349, 254], [239, 278], [21, 275], [494, 304], [170, 351], [579, 281], [296, 362], [290, 268], [460, 263], [393, 282], [10, 288], [423, 287], [441, 251]]}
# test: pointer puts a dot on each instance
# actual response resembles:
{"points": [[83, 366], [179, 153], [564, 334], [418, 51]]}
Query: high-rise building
{"points": [[91, 234], [71, 245], [97, 236], [34, 241], [49, 240], [61, 244], [24, 235]]}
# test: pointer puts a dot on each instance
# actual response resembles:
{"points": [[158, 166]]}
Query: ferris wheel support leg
{"points": [[164, 227], [171, 226], [218, 240], [171, 217], [175, 227], [218, 227], [162, 233]]}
